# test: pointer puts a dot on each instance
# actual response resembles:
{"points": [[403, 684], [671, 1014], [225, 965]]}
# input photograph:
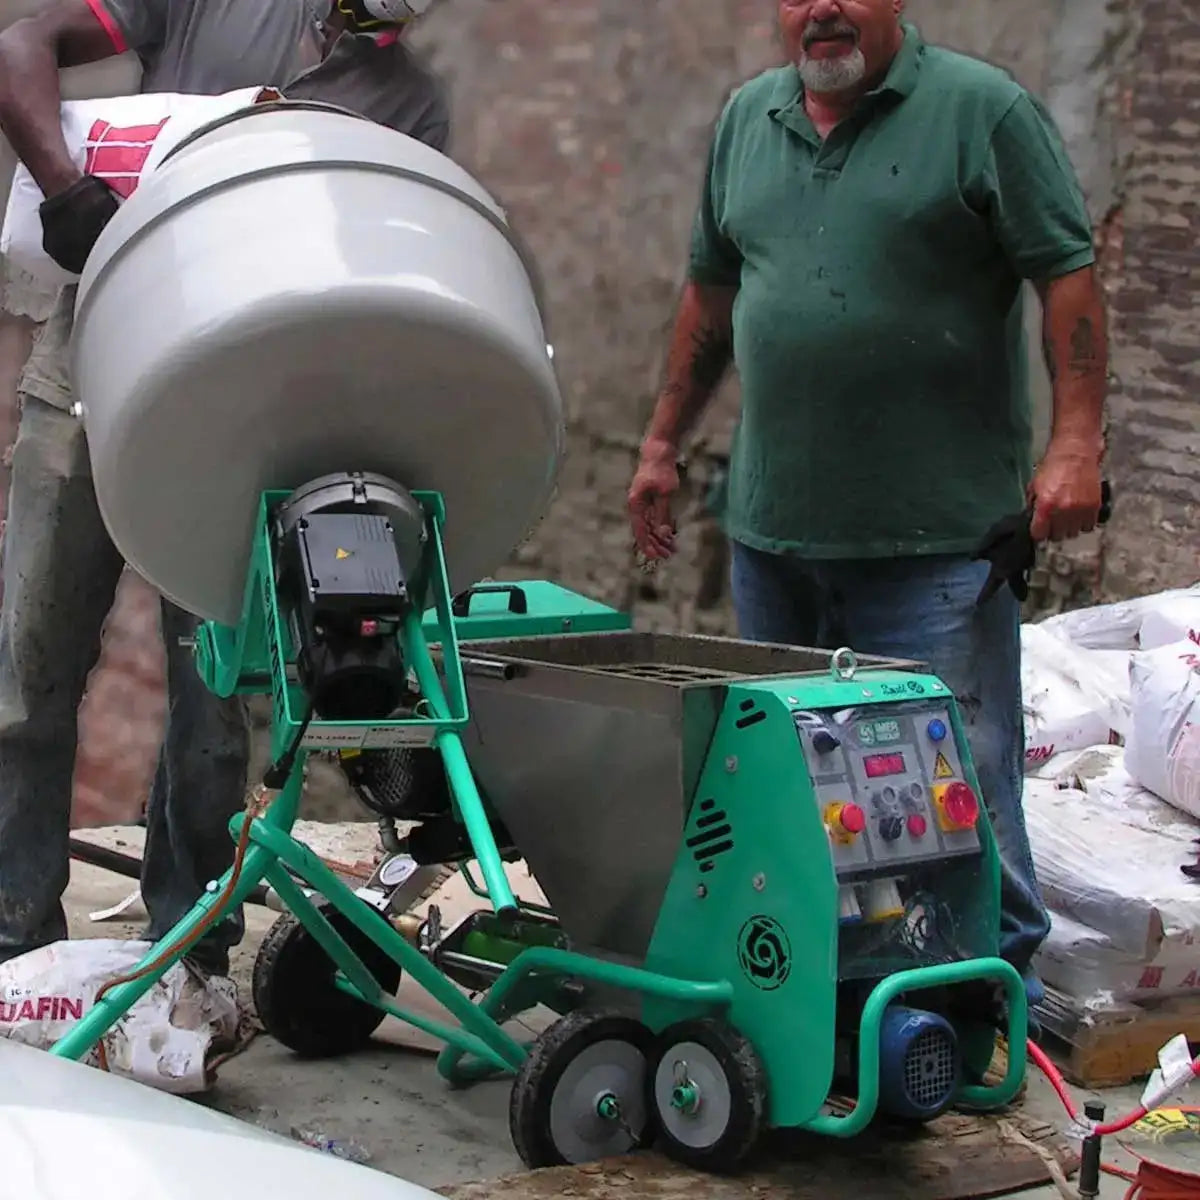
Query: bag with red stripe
{"points": [[118, 140]]}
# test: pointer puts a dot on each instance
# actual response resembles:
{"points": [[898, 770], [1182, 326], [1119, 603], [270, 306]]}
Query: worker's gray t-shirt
{"points": [[207, 47]]}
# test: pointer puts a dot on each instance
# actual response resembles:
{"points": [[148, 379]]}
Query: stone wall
{"points": [[1153, 238]]}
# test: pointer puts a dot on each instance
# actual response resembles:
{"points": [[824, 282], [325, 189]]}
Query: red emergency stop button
{"points": [[960, 806], [852, 819], [918, 827], [845, 822]]}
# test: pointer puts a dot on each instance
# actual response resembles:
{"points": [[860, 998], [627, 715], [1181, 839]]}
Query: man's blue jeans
{"points": [[921, 608], [60, 576]]}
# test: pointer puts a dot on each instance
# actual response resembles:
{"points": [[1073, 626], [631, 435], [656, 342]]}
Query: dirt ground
{"points": [[388, 1100]]}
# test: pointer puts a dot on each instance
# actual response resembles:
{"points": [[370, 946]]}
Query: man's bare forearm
{"points": [[31, 52], [700, 354], [1076, 348]]}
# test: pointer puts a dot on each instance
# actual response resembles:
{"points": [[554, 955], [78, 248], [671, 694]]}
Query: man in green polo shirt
{"points": [[868, 215]]}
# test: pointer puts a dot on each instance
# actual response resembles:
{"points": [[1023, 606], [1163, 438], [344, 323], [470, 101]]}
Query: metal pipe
{"points": [[131, 867], [1090, 1155]]}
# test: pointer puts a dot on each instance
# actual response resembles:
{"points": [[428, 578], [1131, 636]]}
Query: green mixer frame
{"points": [[684, 983]]}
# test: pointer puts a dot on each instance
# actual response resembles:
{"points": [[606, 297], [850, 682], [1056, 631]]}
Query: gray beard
{"points": [[833, 74]]}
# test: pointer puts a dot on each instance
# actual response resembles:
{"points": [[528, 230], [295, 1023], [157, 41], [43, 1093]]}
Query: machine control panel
{"points": [[890, 786]]}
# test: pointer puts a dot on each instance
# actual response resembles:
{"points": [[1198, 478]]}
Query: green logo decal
{"points": [[764, 952]]}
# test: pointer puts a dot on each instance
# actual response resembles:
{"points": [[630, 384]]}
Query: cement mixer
{"points": [[771, 880]]}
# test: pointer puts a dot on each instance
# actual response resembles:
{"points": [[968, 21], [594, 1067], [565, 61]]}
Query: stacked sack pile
{"points": [[1112, 797]]}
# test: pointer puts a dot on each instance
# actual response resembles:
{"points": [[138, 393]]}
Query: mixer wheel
{"points": [[581, 1093], [295, 994], [708, 1091]]}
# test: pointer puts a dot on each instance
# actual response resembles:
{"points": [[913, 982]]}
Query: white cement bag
{"points": [[1175, 618], [168, 1036], [1058, 716], [1072, 698], [117, 139], [1108, 855], [1108, 626], [1163, 750]]}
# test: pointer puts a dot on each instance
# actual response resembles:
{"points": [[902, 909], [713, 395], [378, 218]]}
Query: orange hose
{"points": [[254, 806]]}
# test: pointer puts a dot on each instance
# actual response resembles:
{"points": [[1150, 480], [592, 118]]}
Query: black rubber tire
{"points": [[529, 1108], [746, 1080], [295, 995]]}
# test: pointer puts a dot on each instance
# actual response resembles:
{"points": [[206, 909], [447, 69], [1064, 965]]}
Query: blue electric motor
{"points": [[919, 1064]]}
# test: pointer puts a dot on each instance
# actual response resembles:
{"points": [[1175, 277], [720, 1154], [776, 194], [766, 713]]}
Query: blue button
{"points": [[937, 730]]}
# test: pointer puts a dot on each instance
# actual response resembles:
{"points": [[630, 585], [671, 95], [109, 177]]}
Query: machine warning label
{"points": [[764, 952], [942, 768]]}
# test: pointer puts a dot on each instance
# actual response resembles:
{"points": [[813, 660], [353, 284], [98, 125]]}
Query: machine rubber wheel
{"points": [[581, 1093], [298, 1002], [708, 1093]]}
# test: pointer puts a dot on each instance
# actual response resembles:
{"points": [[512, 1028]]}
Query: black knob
{"points": [[824, 742], [890, 828]]}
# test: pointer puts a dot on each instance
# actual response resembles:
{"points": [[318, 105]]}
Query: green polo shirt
{"points": [[878, 330]]}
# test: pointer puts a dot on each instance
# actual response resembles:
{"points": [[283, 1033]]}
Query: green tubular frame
{"points": [[254, 658], [890, 989]]}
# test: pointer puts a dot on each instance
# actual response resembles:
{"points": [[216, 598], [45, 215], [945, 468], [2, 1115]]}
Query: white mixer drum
{"points": [[296, 292]]}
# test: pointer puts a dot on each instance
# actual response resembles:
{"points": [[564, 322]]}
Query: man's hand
{"points": [[1066, 492], [73, 220], [655, 483]]}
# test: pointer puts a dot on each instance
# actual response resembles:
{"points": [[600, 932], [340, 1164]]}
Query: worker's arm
{"points": [[32, 50], [700, 353], [698, 357], [1066, 488], [68, 34], [1029, 191]]}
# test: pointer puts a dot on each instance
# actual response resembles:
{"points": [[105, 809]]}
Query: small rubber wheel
{"points": [[581, 1093], [298, 1002], [708, 1093]]}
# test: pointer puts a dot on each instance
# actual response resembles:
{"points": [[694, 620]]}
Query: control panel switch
{"points": [[957, 807]]}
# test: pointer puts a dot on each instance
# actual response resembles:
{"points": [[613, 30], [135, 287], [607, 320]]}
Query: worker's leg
{"points": [[199, 785], [775, 598], [60, 577], [924, 608]]}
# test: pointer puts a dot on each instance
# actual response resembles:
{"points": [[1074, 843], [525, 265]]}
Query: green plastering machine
{"points": [[770, 881], [769, 877]]}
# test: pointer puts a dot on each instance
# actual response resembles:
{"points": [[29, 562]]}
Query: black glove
{"points": [[73, 220], [1010, 548]]}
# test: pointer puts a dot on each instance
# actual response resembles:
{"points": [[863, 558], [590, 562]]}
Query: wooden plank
{"points": [[955, 1158], [1116, 1046]]}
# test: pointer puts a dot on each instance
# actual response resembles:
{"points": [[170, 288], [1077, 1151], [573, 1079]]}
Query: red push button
{"points": [[845, 822], [960, 806], [917, 826], [852, 819]]}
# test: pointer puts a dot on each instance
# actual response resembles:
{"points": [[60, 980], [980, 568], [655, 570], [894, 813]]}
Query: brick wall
{"points": [[1153, 243]]}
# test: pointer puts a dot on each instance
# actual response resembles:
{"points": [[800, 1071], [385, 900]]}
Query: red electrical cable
{"points": [[1152, 1180]]}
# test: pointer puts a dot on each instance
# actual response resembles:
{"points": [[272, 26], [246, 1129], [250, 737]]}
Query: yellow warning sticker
{"points": [[942, 768], [342, 554]]}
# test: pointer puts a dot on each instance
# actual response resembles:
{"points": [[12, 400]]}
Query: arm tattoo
{"points": [[1085, 355], [710, 358]]}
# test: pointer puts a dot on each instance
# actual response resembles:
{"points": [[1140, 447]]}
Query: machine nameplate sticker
{"points": [[373, 737]]}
